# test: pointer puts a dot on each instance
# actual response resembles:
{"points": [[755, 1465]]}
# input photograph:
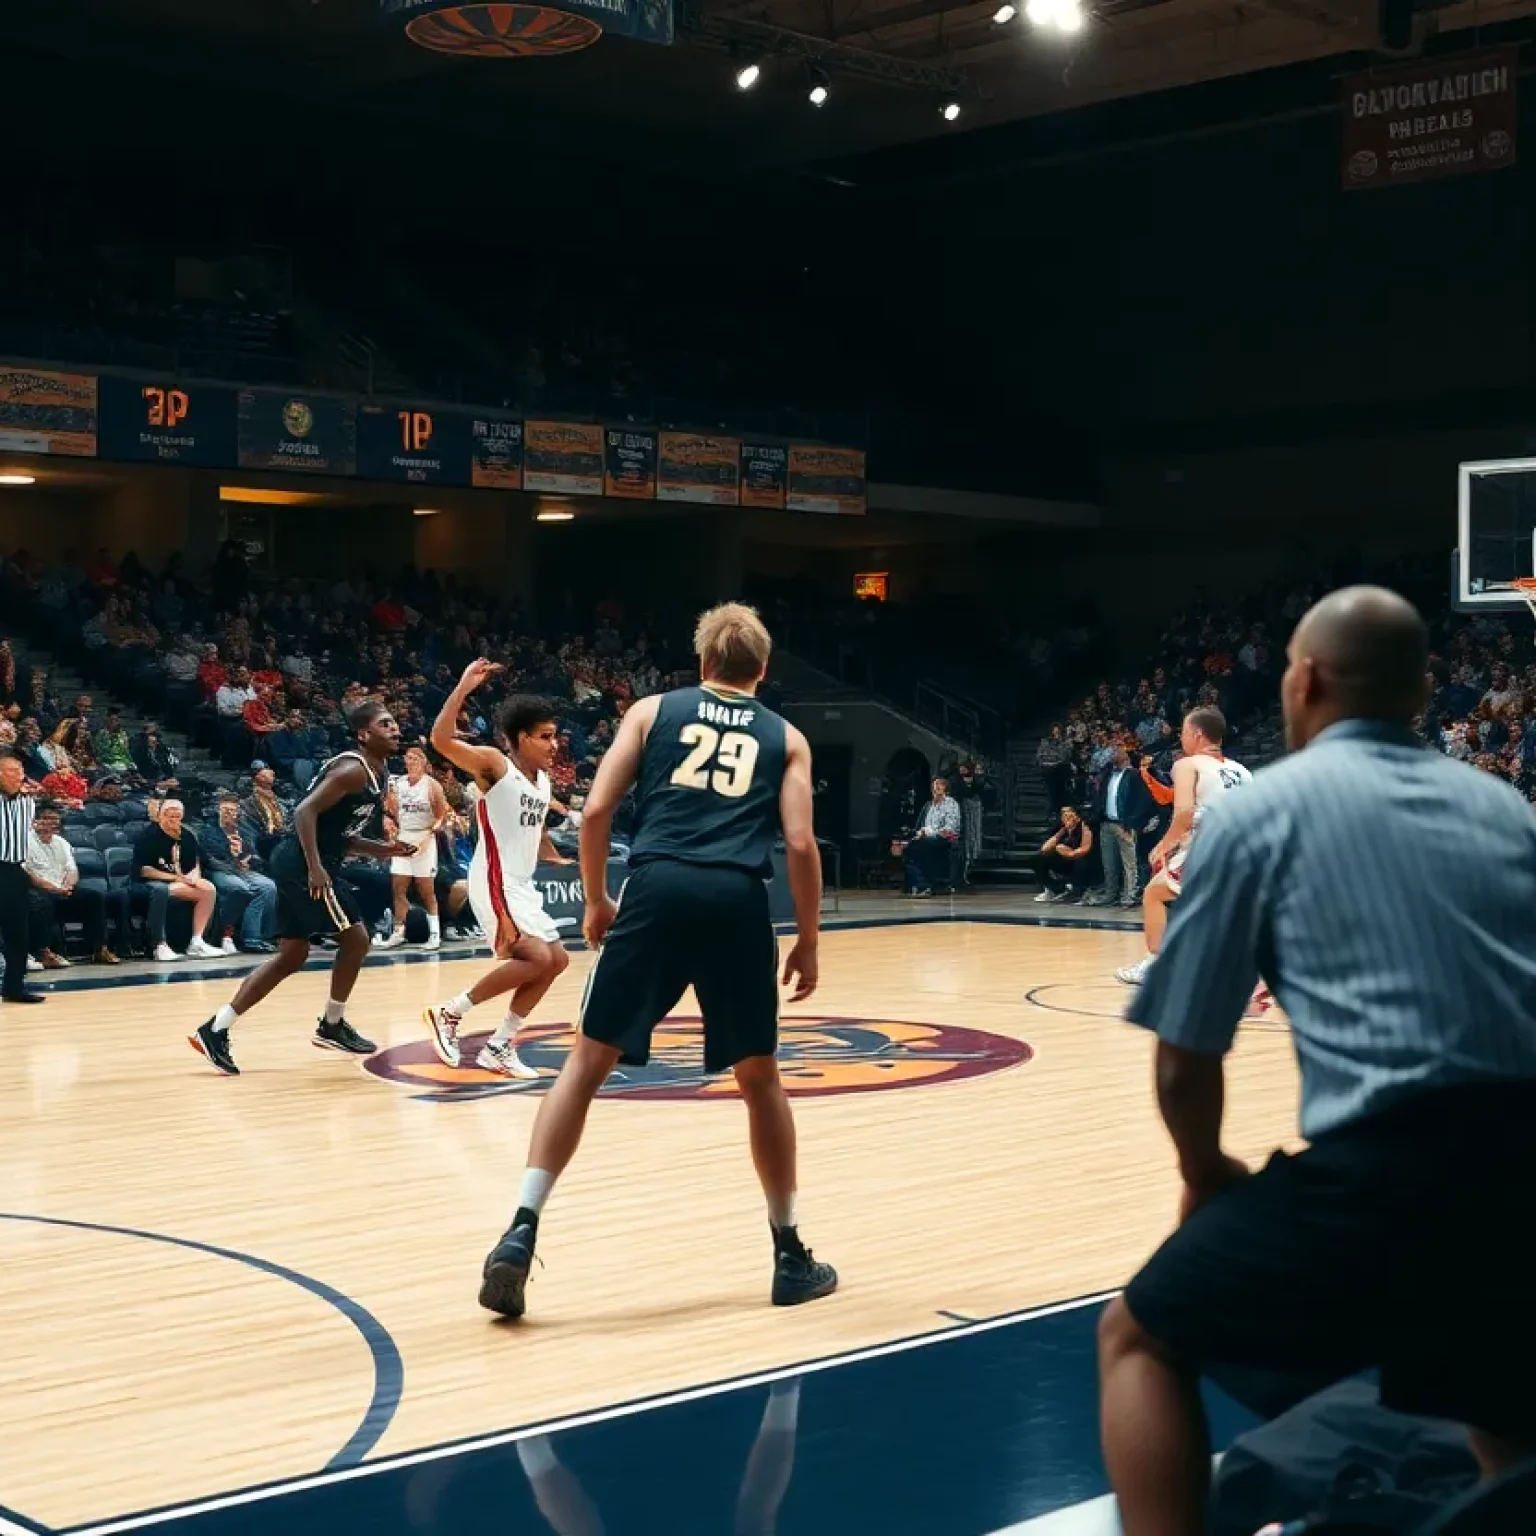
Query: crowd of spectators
{"points": [[261, 674]]}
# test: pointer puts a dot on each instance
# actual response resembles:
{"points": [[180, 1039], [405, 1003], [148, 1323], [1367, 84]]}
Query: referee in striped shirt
{"points": [[15, 831], [1388, 896]]}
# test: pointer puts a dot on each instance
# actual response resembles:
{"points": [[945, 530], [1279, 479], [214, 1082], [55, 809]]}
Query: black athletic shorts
{"points": [[1400, 1242], [299, 915], [682, 925]]}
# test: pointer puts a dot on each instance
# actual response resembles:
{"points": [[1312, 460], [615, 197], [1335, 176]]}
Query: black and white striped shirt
{"points": [[1385, 893], [16, 813]]}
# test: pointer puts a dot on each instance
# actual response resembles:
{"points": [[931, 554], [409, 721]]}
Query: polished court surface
{"points": [[229, 1302]]}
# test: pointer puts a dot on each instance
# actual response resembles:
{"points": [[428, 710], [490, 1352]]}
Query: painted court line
{"points": [[13, 1526], [578, 1421]]}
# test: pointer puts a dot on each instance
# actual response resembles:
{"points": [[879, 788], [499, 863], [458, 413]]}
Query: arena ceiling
{"points": [[677, 108]]}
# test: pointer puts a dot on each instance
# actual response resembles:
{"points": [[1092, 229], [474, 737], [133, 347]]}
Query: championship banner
{"points": [[496, 447], [46, 412], [413, 445], [826, 480], [563, 456], [316, 434], [696, 466], [164, 422], [629, 464], [764, 475], [1428, 119]]}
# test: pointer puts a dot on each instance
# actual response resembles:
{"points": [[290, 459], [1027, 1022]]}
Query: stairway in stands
{"points": [[1032, 820]]}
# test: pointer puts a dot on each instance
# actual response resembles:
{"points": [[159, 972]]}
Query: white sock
{"points": [[433, 926], [537, 1455], [334, 1012], [224, 1018], [459, 1005], [783, 1408], [508, 1027], [783, 1213], [534, 1190]]}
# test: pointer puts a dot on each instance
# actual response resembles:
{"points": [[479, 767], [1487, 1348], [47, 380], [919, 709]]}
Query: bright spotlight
{"points": [[818, 95], [821, 87], [1040, 12], [950, 111], [748, 76], [1004, 14], [18, 479], [1069, 17]]}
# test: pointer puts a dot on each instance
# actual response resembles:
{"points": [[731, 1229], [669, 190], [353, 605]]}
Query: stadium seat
{"points": [[119, 864], [91, 863]]}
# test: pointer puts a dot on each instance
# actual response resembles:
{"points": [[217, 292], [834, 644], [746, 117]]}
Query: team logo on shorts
{"points": [[817, 1056]]}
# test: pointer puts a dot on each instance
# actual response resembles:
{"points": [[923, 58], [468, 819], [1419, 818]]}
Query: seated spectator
{"points": [[168, 865], [245, 894], [927, 853], [59, 895], [112, 749], [262, 810], [155, 761], [1066, 868]]}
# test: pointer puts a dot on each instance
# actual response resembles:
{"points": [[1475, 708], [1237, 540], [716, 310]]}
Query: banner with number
{"points": [[629, 466], [315, 434], [826, 480], [162, 421], [764, 475], [416, 445], [563, 456], [698, 466], [496, 445], [1431, 118], [46, 412]]}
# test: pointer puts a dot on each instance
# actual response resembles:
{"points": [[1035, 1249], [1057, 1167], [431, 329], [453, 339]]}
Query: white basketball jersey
{"points": [[510, 817], [414, 804], [1215, 776]]}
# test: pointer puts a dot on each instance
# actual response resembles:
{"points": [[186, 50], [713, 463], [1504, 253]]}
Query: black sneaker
{"points": [[506, 1272], [797, 1277], [214, 1044], [340, 1036]]}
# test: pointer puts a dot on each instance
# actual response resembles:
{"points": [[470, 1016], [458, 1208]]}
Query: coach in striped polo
{"points": [[15, 835], [1388, 896]]}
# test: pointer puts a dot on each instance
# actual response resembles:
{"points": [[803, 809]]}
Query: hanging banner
{"points": [[764, 475], [563, 456], [416, 445], [166, 422], [697, 466], [826, 480], [1428, 119], [316, 434], [497, 448], [629, 465], [46, 412]]}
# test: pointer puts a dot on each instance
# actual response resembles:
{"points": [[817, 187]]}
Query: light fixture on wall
{"points": [[18, 479], [555, 515], [427, 511]]}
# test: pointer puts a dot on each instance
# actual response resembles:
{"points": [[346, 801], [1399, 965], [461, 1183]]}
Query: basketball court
{"points": [[229, 1302]]}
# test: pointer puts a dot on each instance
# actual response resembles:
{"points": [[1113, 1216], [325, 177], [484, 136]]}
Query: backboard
{"points": [[1496, 533]]}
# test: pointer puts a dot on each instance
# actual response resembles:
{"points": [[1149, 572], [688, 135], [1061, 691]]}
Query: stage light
{"points": [[1003, 15], [427, 511], [818, 95], [950, 111], [1069, 17], [1040, 12], [748, 76], [18, 479], [820, 87], [555, 517]]}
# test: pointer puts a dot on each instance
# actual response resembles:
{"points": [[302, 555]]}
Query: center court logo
{"points": [[817, 1057]]}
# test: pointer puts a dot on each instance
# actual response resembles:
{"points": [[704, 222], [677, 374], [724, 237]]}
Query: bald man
{"points": [[1387, 896]]}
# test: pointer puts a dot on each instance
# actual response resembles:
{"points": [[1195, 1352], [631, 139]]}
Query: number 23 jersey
{"points": [[708, 788]]}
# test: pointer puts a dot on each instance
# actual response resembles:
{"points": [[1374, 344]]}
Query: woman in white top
{"points": [[416, 804], [511, 840]]}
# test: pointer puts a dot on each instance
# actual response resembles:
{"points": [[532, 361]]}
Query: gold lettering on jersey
{"points": [[725, 714]]}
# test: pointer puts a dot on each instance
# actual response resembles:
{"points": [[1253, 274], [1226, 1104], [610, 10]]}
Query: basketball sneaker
{"points": [[1134, 975], [444, 1023], [214, 1044], [505, 1274], [340, 1036], [500, 1057], [797, 1274], [393, 940]]}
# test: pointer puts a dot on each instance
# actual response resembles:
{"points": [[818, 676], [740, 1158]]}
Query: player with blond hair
{"points": [[717, 777]]}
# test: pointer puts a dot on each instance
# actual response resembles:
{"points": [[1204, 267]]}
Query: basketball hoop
{"points": [[1526, 587]]}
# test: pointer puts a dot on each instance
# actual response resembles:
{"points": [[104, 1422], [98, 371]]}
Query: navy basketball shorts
{"points": [[300, 915], [682, 925]]}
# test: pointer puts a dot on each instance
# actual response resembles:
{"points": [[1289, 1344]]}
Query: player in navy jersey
{"points": [[717, 778]]}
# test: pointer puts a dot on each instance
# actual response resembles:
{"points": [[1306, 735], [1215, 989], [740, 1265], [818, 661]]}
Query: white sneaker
{"points": [[394, 941], [1134, 975], [434, 941], [228, 946], [1043, 896], [504, 1061], [444, 1025], [33, 964], [164, 953], [201, 949]]}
